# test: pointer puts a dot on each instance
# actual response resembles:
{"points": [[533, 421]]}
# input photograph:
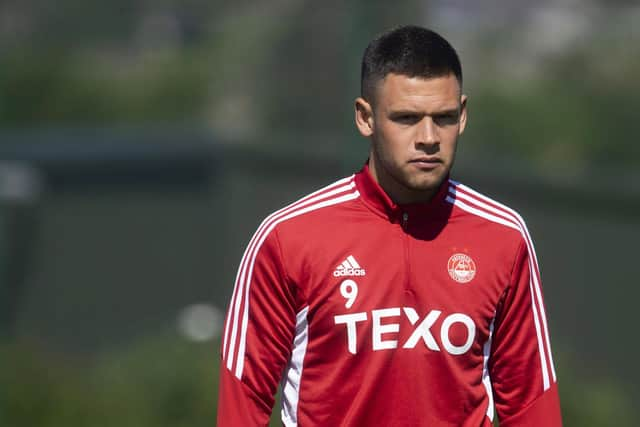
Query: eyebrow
{"points": [[401, 112], [451, 111]]}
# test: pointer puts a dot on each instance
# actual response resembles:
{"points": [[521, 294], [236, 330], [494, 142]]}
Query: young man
{"points": [[396, 296]]}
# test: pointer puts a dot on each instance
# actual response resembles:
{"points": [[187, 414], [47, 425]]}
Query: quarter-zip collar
{"points": [[379, 201]]}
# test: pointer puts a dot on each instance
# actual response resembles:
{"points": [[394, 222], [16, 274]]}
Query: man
{"points": [[394, 297]]}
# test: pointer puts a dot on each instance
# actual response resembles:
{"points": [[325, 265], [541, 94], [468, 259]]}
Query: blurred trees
{"points": [[160, 382], [249, 69]]}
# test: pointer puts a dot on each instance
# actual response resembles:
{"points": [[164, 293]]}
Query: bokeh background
{"points": [[142, 142]]}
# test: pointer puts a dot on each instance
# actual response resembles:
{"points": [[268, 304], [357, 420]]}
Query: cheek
{"points": [[449, 139], [392, 136], [390, 146]]}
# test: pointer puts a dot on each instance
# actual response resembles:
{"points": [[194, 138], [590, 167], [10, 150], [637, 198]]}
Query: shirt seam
{"points": [[283, 267], [519, 251]]}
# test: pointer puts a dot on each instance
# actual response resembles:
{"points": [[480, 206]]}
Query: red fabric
{"points": [[544, 411], [238, 405], [410, 347]]}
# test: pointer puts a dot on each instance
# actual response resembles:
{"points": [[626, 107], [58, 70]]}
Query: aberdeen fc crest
{"points": [[461, 268]]}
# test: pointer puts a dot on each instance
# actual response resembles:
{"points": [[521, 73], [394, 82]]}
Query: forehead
{"points": [[397, 91]]}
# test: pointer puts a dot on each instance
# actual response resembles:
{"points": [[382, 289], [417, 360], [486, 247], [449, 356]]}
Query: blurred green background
{"points": [[141, 143]]}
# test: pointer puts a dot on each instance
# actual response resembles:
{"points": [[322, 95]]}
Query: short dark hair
{"points": [[408, 50]]}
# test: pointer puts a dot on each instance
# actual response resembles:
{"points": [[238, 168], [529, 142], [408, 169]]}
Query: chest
{"points": [[403, 289]]}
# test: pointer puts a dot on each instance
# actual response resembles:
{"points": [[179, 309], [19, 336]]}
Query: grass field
{"points": [[168, 381]]}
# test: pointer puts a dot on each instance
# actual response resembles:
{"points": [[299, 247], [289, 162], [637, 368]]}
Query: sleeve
{"points": [[520, 364], [258, 335]]}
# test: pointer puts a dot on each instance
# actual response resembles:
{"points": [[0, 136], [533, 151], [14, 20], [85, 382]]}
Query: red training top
{"points": [[375, 314]]}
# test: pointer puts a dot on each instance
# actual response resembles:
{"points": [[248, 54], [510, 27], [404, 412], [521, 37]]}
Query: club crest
{"points": [[461, 268]]}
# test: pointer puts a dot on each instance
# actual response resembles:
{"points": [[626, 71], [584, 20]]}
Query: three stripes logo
{"points": [[349, 267]]}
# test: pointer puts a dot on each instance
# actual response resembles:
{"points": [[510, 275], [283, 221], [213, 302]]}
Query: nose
{"points": [[428, 132]]}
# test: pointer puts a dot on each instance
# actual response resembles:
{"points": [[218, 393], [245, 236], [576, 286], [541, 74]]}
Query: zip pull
{"points": [[405, 219]]}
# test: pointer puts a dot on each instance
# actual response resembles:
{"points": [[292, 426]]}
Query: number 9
{"points": [[349, 290]]}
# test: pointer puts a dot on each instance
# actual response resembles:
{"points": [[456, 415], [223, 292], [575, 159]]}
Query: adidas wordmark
{"points": [[349, 267]]}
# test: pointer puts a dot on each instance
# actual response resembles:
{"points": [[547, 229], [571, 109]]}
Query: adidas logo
{"points": [[349, 267]]}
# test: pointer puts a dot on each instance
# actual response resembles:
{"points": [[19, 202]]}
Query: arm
{"points": [[257, 337], [520, 364]]}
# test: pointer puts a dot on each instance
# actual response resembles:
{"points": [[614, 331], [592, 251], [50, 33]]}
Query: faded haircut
{"points": [[410, 51]]}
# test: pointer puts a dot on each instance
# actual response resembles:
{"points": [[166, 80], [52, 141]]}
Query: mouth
{"points": [[426, 162]]}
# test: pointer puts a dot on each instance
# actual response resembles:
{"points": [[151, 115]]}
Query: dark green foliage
{"points": [[59, 89], [162, 382], [168, 381]]}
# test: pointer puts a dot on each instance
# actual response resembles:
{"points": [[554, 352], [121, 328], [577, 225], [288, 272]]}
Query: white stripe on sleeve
{"points": [[511, 219], [233, 315], [507, 212], [293, 374]]}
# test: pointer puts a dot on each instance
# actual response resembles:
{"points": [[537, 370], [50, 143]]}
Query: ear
{"points": [[463, 114], [364, 117]]}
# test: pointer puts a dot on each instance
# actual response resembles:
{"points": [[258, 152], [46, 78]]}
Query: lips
{"points": [[426, 163], [426, 160]]}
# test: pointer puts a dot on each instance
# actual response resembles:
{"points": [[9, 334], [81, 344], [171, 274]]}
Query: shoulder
{"points": [[314, 207], [475, 206]]}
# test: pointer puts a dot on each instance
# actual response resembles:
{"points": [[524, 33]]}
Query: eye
{"points": [[406, 119], [446, 119]]}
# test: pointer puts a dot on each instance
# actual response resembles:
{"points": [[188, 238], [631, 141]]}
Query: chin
{"points": [[429, 184]]}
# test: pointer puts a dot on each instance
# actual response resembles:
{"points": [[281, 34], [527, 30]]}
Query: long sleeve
{"points": [[520, 364], [258, 335]]}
